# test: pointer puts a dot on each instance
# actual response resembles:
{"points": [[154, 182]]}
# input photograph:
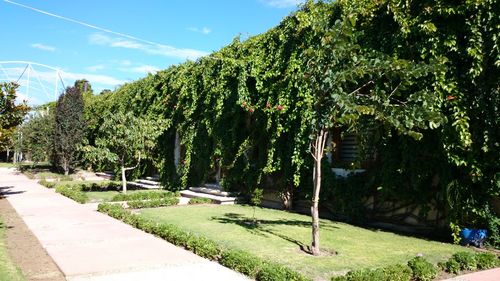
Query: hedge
{"points": [[160, 202], [240, 261], [465, 261], [146, 195], [72, 193]]}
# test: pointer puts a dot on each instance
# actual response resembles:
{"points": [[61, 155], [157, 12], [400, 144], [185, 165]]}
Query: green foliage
{"points": [[276, 272], [35, 138], [203, 247], [73, 193], [394, 272], [144, 195], [238, 260], [153, 203], [422, 269], [256, 198], [124, 140], [451, 266], [487, 260], [69, 128], [242, 262], [200, 200], [11, 114], [47, 184], [466, 260], [406, 70]]}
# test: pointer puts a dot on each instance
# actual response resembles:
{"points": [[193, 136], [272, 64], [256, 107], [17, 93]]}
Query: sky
{"points": [[113, 42]]}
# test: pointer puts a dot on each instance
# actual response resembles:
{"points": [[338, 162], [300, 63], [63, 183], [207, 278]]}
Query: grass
{"points": [[280, 235], [6, 165], [8, 271]]}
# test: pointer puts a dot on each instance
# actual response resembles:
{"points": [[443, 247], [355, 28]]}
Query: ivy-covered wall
{"points": [[250, 107]]}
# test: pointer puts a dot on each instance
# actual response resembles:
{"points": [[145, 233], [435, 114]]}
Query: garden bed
{"points": [[282, 236]]}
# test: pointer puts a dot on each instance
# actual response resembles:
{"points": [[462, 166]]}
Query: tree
{"points": [[349, 82], [69, 128], [11, 115], [125, 140], [36, 136]]}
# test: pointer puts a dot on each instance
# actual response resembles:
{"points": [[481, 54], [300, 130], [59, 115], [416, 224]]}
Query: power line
{"points": [[84, 23]]}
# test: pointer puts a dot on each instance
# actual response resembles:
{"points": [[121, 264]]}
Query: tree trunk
{"points": [[66, 167], [124, 179], [8, 155], [317, 152]]}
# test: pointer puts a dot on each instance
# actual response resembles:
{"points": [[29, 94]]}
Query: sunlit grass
{"points": [[280, 235]]}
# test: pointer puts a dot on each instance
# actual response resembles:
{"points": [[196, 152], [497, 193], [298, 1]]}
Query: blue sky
{"points": [[128, 38]]}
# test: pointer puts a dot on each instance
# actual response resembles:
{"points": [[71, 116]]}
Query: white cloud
{"points": [[282, 3], [205, 30], [153, 49], [43, 47]]}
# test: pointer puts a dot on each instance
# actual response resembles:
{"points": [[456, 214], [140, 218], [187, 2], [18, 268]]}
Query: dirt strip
{"points": [[25, 249]]}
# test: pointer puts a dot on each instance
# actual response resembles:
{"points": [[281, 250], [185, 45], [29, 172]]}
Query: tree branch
{"points": [[136, 165]]}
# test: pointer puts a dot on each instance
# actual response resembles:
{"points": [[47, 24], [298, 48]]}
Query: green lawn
{"points": [[280, 236], [8, 271], [6, 165]]}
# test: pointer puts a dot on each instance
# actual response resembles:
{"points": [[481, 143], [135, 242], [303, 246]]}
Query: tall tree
{"points": [[69, 128], [125, 140], [11, 114], [349, 83], [36, 136]]}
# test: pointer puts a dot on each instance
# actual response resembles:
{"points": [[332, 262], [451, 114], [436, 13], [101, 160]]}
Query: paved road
{"points": [[87, 245]]}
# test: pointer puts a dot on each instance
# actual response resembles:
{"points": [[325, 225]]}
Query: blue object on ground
{"points": [[473, 236]]}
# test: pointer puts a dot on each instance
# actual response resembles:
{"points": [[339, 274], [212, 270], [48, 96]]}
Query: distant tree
{"points": [[36, 137], [69, 128], [124, 140], [83, 86], [11, 115]]}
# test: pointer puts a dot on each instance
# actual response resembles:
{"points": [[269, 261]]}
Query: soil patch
{"points": [[25, 250]]}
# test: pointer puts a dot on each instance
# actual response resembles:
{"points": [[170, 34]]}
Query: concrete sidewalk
{"points": [[87, 245], [486, 275]]}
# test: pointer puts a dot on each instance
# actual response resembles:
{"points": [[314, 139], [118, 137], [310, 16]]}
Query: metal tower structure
{"points": [[38, 83]]}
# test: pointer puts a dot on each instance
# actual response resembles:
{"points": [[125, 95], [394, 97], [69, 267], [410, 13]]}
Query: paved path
{"points": [[486, 275], [87, 245]]}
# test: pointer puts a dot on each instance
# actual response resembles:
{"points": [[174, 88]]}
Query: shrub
{"points": [[242, 262], [46, 183], [145, 195], [390, 273], [486, 260], [422, 269], [203, 247], [162, 202], [276, 272], [466, 260], [451, 266], [397, 272], [72, 193], [200, 200]]}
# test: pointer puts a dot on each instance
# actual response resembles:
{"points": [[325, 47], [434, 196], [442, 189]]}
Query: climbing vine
{"points": [[253, 105]]}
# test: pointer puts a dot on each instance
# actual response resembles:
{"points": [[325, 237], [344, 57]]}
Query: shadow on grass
{"points": [[263, 227]]}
